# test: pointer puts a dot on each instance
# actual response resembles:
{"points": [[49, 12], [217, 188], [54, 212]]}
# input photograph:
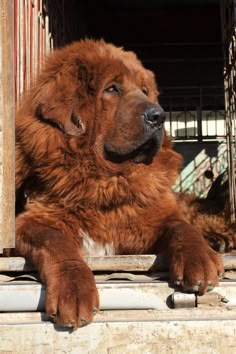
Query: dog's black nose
{"points": [[154, 116]]}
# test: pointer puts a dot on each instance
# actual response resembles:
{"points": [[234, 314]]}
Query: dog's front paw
{"points": [[71, 295], [196, 267]]}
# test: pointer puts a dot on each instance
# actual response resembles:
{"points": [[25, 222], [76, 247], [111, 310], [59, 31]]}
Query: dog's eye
{"points": [[145, 90], [113, 89]]}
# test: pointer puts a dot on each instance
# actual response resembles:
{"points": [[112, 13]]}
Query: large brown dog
{"points": [[90, 136]]}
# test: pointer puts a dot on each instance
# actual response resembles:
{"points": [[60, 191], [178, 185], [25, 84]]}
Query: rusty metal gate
{"points": [[228, 12]]}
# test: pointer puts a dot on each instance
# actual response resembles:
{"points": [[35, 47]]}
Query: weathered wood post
{"points": [[7, 113]]}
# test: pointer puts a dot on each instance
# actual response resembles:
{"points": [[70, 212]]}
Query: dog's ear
{"points": [[86, 81], [59, 100], [66, 120]]}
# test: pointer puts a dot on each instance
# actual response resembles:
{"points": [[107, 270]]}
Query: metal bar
{"points": [[18, 34], [30, 296], [35, 40], [28, 44], [228, 34], [186, 88], [16, 44], [173, 44], [199, 117], [40, 49], [47, 34], [21, 48], [31, 42]]}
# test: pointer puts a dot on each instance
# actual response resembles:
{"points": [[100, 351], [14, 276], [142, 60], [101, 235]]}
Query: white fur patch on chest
{"points": [[92, 248]]}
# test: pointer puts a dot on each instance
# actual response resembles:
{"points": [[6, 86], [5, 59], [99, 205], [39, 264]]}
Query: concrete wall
{"points": [[200, 157]]}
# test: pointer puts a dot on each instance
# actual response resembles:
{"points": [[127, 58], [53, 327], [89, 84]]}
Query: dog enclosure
{"points": [[191, 48]]}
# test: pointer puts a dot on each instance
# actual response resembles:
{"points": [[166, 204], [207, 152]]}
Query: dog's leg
{"points": [[193, 263], [71, 294], [22, 168]]}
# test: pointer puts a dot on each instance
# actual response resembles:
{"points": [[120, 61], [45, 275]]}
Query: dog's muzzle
{"points": [[145, 144], [154, 116]]}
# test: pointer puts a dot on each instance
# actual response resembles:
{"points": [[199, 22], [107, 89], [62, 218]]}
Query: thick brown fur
{"points": [[211, 218], [90, 139]]}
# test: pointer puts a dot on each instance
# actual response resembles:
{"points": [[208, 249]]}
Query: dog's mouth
{"points": [[144, 153]]}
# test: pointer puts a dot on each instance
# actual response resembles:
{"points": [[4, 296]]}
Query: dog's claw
{"points": [[70, 324], [52, 316], [95, 310], [83, 322]]}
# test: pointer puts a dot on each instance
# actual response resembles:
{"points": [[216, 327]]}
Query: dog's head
{"points": [[133, 129], [102, 97]]}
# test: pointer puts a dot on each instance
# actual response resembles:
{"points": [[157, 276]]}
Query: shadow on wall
{"points": [[203, 162]]}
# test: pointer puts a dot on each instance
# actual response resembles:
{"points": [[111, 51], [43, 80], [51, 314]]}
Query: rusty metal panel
{"points": [[7, 109], [32, 42]]}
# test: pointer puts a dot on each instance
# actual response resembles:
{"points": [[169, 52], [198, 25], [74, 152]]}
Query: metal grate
{"points": [[195, 113], [228, 12]]}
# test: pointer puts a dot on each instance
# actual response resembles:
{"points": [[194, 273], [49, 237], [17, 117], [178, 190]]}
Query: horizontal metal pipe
{"points": [[30, 296], [15, 297]]}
